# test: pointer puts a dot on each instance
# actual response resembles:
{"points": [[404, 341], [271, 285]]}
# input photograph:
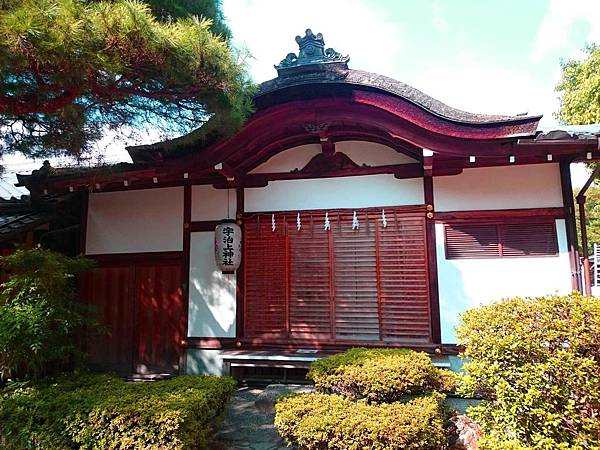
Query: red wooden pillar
{"points": [[239, 275], [569, 204], [185, 272], [434, 298]]}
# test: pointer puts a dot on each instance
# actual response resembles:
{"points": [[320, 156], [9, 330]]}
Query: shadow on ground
{"points": [[248, 422]]}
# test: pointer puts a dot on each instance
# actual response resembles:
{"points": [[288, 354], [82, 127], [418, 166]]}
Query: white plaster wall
{"points": [[372, 154], [288, 160], [507, 187], [212, 305], [369, 153], [468, 283], [346, 192], [209, 203], [149, 220]]}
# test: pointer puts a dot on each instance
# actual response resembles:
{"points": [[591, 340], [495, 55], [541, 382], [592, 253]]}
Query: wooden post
{"points": [[569, 205], [185, 271], [584, 242], [584, 247], [239, 275], [434, 296]]}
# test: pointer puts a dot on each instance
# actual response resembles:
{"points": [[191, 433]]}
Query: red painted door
{"points": [[141, 306], [160, 318]]}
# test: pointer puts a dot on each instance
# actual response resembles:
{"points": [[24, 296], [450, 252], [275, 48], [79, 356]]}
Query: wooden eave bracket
{"points": [[227, 171]]}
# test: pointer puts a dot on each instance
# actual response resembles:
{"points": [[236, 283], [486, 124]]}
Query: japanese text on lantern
{"points": [[228, 251]]}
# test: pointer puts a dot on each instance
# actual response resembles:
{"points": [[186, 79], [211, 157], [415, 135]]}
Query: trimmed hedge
{"points": [[379, 375], [104, 412], [333, 422], [536, 362]]}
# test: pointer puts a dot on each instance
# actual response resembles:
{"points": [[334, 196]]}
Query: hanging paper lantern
{"points": [[228, 246]]}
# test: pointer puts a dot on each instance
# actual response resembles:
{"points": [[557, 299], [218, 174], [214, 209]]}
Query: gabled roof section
{"points": [[318, 72]]}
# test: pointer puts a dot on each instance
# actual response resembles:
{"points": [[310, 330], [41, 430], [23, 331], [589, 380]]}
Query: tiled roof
{"points": [[20, 215]]}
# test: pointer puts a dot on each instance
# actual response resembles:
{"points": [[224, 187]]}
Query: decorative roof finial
{"points": [[312, 51]]}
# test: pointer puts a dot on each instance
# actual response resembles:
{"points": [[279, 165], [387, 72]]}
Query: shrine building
{"points": [[369, 214]]}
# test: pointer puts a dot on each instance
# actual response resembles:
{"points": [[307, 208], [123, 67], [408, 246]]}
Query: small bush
{"points": [[105, 412], [333, 422], [39, 315], [379, 375], [536, 361]]}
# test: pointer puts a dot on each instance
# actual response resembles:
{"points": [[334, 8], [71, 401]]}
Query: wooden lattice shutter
{"points": [[528, 239], [310, 276], [265, 272], [501, 240], [472, 241], [355, 263], [404, 287], [346, 284]]}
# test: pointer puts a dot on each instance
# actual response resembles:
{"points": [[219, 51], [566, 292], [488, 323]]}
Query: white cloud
{"points": [[489, 89], [268, 28], [437, 17], [558, 22]]}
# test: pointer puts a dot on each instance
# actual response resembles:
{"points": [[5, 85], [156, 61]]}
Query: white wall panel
{"points": [[288, 160], [212, 304], [209, 203], [372, 154], [149, 220], [468, 283], [346, 192], [509, 187], [369, 153]]}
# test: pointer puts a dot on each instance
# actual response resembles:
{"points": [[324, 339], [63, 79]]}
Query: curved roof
{"points": [[361, 78], [317, 72]]}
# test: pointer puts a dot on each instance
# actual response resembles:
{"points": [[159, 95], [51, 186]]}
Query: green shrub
{"points": [[39, 314], [379, 375], [105, 412], [333, 422], [536, 363]]}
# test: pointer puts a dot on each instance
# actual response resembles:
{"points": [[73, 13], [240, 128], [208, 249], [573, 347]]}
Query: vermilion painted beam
{"points": [[529, 213], [206, 225], [127, 259]]}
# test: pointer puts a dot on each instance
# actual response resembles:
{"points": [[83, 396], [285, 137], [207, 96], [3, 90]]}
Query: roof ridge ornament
{"points": [[312, 51]]}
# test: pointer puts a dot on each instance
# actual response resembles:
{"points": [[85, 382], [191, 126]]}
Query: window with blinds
{"points": [[342, 284], [502, 240]]}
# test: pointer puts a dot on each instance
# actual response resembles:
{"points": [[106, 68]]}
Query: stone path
{"points": [[248, 422]]}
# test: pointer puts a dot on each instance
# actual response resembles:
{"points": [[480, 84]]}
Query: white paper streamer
{"points": [[355, 221]]}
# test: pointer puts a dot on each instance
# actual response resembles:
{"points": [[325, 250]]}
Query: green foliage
{"points": [[379, 375], [536, 362], [370, 398], [579, 89], [105, 412], [72, 69], [175, 9], [592, 216], [321, 421], [39, 314]]}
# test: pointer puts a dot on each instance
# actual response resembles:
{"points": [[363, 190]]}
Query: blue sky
{"points": [[478, 55]]}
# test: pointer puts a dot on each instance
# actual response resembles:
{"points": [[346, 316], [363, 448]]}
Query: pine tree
{"points": [[70, 70]]}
